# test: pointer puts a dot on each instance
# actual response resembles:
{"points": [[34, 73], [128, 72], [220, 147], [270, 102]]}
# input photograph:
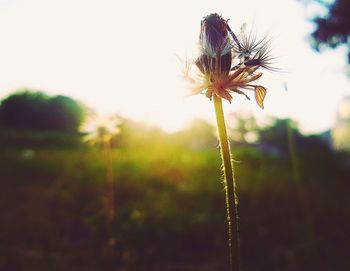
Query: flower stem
{"points": [[109, 202], [230, 187]]}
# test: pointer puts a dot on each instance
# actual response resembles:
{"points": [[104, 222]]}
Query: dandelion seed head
{"points": [[100, 129]]}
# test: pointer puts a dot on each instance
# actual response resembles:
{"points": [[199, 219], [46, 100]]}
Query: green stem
{"points": [[230, 187]]}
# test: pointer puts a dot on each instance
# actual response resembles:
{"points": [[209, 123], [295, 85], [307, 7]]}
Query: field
{"points": [[169, 202]]}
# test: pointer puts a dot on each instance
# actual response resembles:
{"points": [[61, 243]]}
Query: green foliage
{"points": [[170, 207], [333, 29], [37, 111]]}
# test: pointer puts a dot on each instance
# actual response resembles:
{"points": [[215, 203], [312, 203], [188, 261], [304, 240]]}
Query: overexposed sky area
{"points": [[122, 57]]}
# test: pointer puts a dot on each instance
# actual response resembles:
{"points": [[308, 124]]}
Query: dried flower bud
{"points": [[215, 43], [228, 64], [214, 37]]}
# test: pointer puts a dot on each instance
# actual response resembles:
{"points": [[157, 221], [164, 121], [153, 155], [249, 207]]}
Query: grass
{"points": [[168, 205]]}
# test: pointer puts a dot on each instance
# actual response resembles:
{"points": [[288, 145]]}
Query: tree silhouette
{"points": [[37, 111], [333, 29], [64, 114]]}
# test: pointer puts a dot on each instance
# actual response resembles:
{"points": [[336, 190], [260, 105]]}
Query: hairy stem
{"points": [[230, 187]]}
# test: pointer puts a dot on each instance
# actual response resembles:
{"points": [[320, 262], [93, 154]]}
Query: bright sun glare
{"points": [[123, 58]]}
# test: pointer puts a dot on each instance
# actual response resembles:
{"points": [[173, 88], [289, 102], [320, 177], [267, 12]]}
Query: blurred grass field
{"points": [[169, 202]]}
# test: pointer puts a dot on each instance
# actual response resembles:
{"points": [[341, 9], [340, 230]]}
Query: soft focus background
{"points": [[105, 164]]}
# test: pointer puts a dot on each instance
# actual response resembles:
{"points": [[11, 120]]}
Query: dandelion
{"points": [[228, 64], [100, 132]]}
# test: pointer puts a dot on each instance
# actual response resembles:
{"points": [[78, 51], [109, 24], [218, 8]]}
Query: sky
{"points": [[123, 57]]}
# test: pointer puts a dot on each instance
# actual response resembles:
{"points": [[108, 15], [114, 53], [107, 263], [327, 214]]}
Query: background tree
{"points": [[37, 111], [64, 114], [333, 29]]}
